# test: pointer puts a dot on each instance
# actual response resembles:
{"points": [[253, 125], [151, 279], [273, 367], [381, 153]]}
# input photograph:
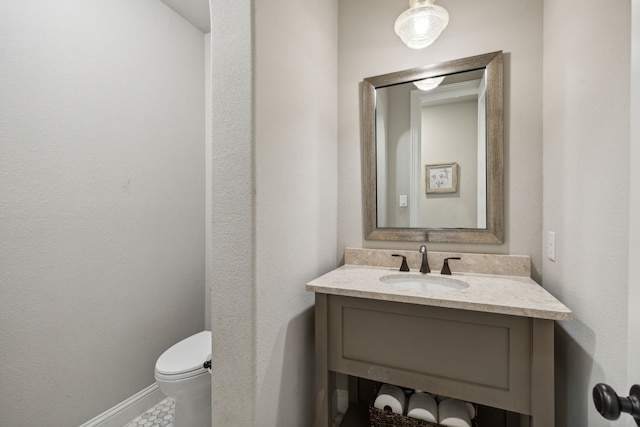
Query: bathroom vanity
{"points": [[490, 343]]}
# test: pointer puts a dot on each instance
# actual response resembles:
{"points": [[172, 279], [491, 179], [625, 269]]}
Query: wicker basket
{"points": [[382, 418]]}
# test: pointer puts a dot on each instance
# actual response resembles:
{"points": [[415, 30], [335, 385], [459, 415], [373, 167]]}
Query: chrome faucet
{"points": [[424, 267]]}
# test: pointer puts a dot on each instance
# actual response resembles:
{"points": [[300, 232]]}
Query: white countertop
{"points": [[517, 296]]}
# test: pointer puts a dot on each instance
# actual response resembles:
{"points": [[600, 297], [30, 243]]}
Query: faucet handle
{"points": [[445, 268], [404, 266]]}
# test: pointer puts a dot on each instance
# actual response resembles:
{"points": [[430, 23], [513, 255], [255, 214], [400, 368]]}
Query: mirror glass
{"points": [[432, 139]]}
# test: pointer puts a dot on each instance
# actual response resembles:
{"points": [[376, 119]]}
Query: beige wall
{"points": [[232, 210], [586, 196], [633, 373], [445, 141], [101, 202], [368, 46], [296, 185], [398, 138], [208, 137], [274, 203]]}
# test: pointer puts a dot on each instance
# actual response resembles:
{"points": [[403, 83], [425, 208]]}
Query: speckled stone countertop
{"points": [[492, 293]]}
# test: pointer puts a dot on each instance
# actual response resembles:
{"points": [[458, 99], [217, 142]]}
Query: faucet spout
{"points": [[424, 267]]}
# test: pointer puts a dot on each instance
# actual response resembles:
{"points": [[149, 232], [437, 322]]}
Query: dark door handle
{"points": [[610, 405]]}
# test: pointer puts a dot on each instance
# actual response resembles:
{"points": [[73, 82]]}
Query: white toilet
{"points": [[181, 375]]}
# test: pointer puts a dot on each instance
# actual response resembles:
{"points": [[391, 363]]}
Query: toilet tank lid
{"points": [[187, 355]]}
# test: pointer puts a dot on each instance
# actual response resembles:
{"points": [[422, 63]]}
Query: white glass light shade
{"points": [[421, 24], [428, 84]]}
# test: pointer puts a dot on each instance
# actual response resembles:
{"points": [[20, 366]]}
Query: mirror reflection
{"points": [[430, 134], [432, 140]]}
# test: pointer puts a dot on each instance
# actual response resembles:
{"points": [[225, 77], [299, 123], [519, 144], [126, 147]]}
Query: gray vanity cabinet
{"points": [[498, 360]]}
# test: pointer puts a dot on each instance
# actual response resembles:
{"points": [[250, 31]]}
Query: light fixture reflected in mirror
{"points": [[421, 24], [428, 84]]}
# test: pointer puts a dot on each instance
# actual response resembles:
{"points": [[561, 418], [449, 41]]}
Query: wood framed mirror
{"points": [[414, 137]]}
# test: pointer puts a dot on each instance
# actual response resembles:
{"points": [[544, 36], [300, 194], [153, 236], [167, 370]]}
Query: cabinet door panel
{"points": [[476, 356]]}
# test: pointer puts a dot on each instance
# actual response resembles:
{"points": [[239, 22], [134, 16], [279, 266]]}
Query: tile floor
{"points": [[160, 415]]}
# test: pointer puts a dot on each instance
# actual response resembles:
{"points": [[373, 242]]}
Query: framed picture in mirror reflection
{"points": [[441, 178]]}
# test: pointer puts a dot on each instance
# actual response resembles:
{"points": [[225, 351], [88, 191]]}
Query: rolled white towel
{"points": [[423, 406], [455, 413], [392, 397]]}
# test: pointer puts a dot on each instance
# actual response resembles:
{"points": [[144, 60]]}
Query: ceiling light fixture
{"points": [[421, 24], [428, 84]]}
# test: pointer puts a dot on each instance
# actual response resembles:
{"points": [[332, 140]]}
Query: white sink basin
{"points": [[424, 282]]}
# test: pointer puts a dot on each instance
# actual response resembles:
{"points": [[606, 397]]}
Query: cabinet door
{"points": [[481, 357]]}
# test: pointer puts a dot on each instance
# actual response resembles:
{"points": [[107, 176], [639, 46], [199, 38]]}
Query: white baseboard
{"points": [[127, 410]]}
